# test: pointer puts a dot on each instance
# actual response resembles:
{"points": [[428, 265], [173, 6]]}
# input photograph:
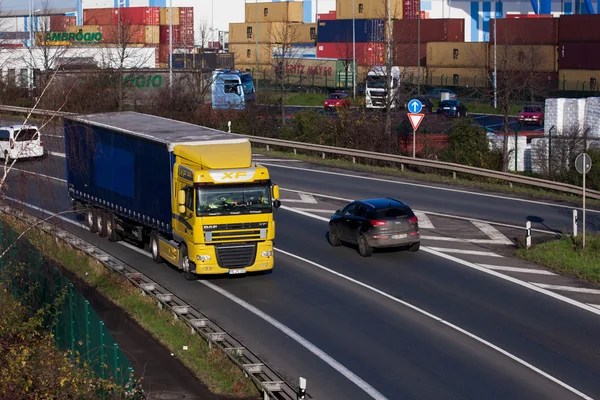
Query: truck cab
{"points": [[231, 89], [376, 91]]}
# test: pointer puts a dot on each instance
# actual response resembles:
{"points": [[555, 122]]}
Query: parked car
{"points": [[532, 114], [426, 101], [437, 94], [336, 100], [20, 141], [452, 108], [375, 223]]}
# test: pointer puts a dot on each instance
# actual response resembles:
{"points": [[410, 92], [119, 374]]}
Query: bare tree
{"points": [[283, 36]]}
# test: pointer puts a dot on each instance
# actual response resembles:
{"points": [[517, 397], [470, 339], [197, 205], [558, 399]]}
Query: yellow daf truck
{"points": [[190, 194]]}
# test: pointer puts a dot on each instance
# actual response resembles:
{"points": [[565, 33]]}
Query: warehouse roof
{"points": [[158, 129]]}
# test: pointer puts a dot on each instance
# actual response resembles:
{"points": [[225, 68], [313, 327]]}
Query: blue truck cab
{"points": [[231, 89]]}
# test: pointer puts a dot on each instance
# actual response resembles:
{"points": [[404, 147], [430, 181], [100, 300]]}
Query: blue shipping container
{"points": [[340, 30]]}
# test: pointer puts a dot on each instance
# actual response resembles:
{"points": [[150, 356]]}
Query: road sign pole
{"points": [[583, 163], [414, 142], [583, 229]]}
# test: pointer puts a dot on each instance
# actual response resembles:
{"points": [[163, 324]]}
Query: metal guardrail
{"points": [[272, 385], [402, 160]]}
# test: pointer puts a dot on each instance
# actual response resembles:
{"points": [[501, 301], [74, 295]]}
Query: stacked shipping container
{"points": [[578, 52], [334, 40]]}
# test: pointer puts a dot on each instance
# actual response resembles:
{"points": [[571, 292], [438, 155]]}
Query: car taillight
{"points": [[413, 219], [378, 223], [41, 143]]}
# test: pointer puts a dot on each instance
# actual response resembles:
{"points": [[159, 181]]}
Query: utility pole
{"points": [[256, 50], [171, 47], [419, 50], [495, 65], [353, 53]]}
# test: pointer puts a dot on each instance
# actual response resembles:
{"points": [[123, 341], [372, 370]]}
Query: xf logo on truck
{"points": [[185, 173], [233, 176]]}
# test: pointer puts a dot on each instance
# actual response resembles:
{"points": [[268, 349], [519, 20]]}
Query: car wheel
{"points": [[334, 240], [363, 247], [186, 265], [415, 246]]}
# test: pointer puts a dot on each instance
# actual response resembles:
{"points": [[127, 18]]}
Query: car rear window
{"points": [[532, 109], [26, 135], [394, 212]]}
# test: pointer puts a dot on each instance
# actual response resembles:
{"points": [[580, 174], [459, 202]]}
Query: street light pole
{"points": [[171, 47], [495, 65], [419, 50], [256, 50], [353, 53]]}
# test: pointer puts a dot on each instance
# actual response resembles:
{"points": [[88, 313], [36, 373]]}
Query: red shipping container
{"points": [[98, 16], [368, 54], [531, 16], [186, 16], [164, 34], [432, 30], [411, 8], [516, 31], [163, 53], [579, 28], [327, 17], [406, 55], [187, 36], [139, 15], [579, 55], [60, 23]]}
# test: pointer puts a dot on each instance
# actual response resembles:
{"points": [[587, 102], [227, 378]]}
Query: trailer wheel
{"points": [[186, 265], [90, 217], [100, 223], [154, 250], [110, 228]]}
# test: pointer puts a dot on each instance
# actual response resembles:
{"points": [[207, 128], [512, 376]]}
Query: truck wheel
{"points": [[100, 224], [110, 228], [154, 249], [186, 265], [91, 220]]}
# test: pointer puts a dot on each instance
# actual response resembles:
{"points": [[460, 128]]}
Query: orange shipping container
{"points": [[303, 33], [247, 32], [368, 9], [282, 11], [458, 54], [98, 16], [165, 16]]}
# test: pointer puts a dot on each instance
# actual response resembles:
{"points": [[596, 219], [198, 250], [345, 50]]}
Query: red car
{"points": [[338, 99], [532, 115]]}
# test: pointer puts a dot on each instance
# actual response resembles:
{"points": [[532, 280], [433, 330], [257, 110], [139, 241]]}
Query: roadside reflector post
{"points": [[229, 126], [574, 223], [528, 237], [302, 389]]}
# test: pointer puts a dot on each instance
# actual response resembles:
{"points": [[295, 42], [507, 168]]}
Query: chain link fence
{"points": [[77, 328]]}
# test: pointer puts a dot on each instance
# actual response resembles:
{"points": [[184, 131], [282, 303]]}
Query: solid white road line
{"points": [[370, 390], [274, 160], [325, 196], [595, 305], [54, 153], [474, 266], [426, 186], [520, 270], [440, 320], [466, 252], [37, 174], [491, 232], [424, 221], [319, 210], [455, 327], [567, 288], [460, 240]]}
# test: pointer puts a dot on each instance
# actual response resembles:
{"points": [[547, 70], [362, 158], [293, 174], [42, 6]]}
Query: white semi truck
{"points": [[375, 88]]}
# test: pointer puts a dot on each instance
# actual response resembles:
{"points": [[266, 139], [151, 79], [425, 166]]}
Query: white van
{"points": [[20, 141]]}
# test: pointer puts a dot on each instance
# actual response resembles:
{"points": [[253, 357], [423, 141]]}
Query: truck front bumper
{"points": [[234, 258]]}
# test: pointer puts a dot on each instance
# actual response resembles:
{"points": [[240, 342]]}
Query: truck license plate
{"points": [[237, 271], [399, 236]]}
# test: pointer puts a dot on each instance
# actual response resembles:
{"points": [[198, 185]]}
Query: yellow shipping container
{"points": [[152, 34], [303, 33], [471, 77], [578, 79], [525, 58], [165, 16], [368, 9], [245, 53], [268, 32], [458, 54], [84, 28], [410, 74], [282, 11]]}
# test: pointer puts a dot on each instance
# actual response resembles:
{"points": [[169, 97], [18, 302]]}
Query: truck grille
{"points": [[236, 256], [224, 233]]}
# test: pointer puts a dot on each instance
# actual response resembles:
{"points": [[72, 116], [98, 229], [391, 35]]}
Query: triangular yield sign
{"points": [[415, 120]]}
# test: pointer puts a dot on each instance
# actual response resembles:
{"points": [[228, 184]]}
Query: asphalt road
{"points": [[371, 336]]}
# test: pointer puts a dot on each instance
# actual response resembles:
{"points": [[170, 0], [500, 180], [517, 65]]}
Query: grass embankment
{"points": [[567, 256], [477, 183], [210, 366]]}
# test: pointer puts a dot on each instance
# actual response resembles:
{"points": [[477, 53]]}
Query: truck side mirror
{"points": [[276, 192]]}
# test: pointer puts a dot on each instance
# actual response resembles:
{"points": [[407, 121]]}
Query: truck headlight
{"points": [[267, 253], [203, 258]]}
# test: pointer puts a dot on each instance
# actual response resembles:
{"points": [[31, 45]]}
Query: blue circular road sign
{"points": [[415, 106]]}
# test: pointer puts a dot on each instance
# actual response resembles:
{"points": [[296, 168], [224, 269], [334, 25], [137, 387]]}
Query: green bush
{"points": [[469, 145]]}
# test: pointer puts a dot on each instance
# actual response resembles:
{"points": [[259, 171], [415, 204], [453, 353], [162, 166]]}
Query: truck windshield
{"points": [[238, 199], [377, 82], [247, 84]]}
